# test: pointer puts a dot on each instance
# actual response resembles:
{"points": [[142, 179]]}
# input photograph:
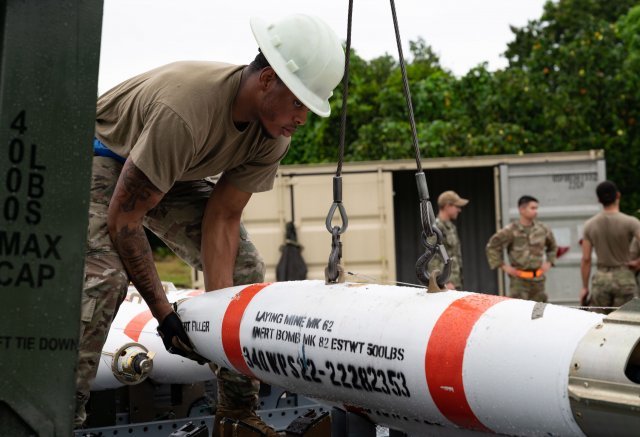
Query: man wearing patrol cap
{"points": [[157, 137], [449, 206], [526, 241]]}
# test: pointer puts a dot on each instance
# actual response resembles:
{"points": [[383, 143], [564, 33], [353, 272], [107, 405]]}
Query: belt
{"points": [[529, 274], [100, 149], [611, 268]]}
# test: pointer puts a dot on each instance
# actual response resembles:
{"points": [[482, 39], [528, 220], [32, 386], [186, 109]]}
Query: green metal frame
{"points": [[48, 86]]}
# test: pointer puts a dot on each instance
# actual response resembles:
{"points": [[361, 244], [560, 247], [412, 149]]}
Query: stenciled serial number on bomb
{"points": [[350, 376]]}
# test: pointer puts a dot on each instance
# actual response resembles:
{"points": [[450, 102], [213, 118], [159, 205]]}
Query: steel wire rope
{"points": [[429, 229], [334, 272]]}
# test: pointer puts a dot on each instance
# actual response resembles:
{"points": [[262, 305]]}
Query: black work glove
{"points": [[175, 339]]}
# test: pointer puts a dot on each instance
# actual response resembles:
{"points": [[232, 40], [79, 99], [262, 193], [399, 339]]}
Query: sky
{"points": [[138, 35]]}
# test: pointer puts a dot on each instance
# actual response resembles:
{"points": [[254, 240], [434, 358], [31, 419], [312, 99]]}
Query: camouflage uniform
{"points": [[612, 287], [526, 247], [610, 233], [177, 221], [452, 245]]}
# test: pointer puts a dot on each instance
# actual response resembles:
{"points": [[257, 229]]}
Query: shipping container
{"points": [[382, 242]]}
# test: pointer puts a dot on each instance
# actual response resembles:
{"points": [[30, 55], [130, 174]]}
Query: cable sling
{"points": [[431, 235], [334, 272]]}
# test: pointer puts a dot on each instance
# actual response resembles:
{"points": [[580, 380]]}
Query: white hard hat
{"points": [[306, 55]]}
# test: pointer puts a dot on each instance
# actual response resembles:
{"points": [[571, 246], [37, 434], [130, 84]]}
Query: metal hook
{"points": [[334, 272], [431, 250]]}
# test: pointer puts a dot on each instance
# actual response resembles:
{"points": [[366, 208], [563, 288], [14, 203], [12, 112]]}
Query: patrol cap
{"points": [[451, 198]]}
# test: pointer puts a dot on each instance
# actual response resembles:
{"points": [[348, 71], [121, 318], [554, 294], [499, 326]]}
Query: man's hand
{"points": [[175, 338], [634, 264], [584, 297], [450, 286], [509, 270], [545, 267]]}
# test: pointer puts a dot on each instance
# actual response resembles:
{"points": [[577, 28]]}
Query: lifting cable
{"points": [[431, 236], [430, 231], [334, 272]]}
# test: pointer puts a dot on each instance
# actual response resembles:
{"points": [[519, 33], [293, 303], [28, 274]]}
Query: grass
{"points": [[172, 269]]}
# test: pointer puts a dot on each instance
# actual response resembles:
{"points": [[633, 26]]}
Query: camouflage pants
{"points": [[177, 221], [612, 288], [526, 289], [235, 391], [456, 271]]}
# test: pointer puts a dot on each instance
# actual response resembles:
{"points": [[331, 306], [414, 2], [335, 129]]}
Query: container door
{"points": [[368, 244]]}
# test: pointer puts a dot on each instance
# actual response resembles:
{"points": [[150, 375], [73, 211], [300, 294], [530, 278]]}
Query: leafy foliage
{"points": [[572, 83]]}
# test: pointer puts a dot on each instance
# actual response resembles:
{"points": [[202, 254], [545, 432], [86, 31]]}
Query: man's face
{"points": [[280, 112], [529, 210], [452, 210]]}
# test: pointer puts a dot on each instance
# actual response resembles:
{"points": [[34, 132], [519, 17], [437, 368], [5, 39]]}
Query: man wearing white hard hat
{"points": [[157, 137]]}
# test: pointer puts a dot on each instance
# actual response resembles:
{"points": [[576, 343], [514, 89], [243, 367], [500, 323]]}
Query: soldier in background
{"points": [[610, 233], [449, 206], [526, 241]]}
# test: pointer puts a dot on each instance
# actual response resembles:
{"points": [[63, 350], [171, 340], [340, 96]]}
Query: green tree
{"points": [[579, 62], [573, 83]]}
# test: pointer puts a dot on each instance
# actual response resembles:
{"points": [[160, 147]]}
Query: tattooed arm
{"points": [[220, 234], [132, 198]]}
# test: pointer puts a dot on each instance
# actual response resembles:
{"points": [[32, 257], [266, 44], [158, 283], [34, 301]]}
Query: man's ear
{"points": [[267, 77]]}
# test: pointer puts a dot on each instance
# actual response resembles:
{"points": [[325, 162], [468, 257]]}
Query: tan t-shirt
{"points": [[610, 234], [635, 248], [175, 123]]}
